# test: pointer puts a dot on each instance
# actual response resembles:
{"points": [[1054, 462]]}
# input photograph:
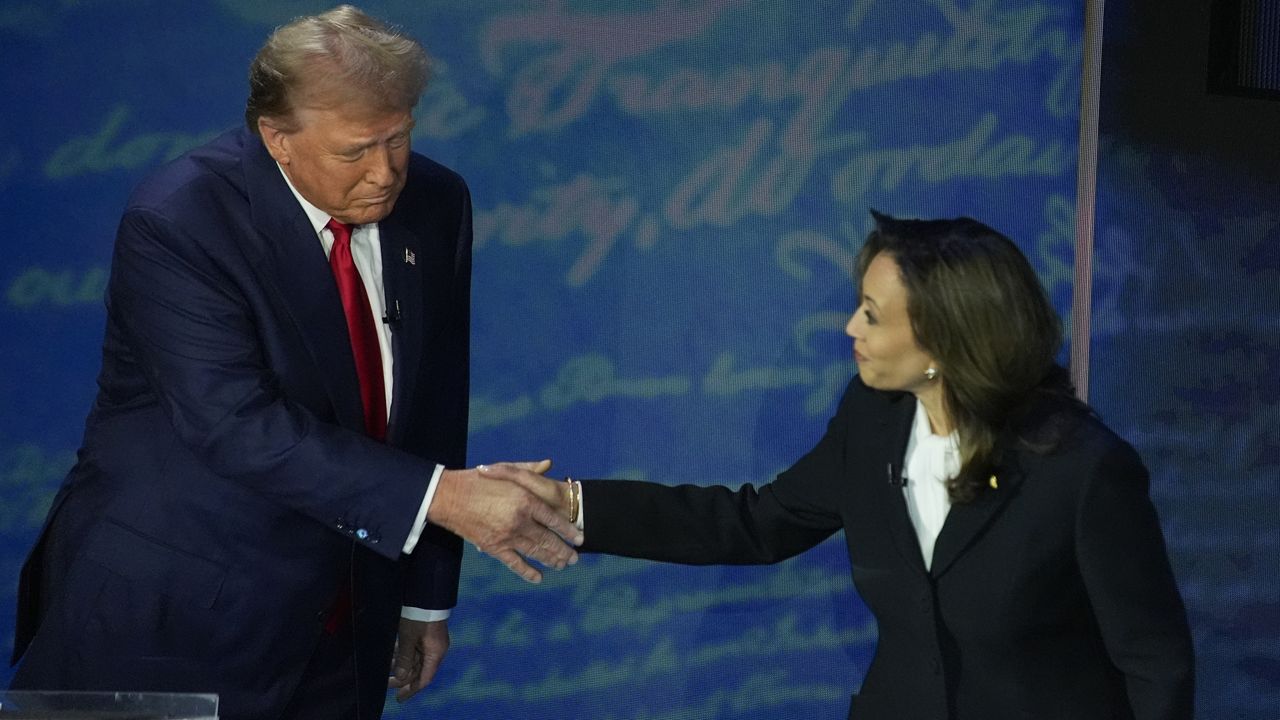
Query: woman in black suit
{"points": [[1000, 533]]}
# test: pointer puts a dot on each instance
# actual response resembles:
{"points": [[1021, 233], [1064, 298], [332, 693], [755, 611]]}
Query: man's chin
{"points": [[365, 213]]}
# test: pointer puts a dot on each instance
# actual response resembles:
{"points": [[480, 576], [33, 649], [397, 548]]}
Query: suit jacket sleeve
{"points": [[1126, 572], [192, 333], [699, 525]]}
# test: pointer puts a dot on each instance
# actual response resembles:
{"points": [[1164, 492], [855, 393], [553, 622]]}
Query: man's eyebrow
{"points": [[358, 146]]}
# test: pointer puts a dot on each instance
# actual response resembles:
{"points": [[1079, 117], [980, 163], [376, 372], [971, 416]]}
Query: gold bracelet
{"points": [[574, 490]]}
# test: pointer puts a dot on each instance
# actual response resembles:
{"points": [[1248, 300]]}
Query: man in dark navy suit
{"points": [[268, 498]]}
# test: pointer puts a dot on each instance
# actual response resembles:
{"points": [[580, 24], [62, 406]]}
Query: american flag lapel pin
{"points": [[410, 258]]}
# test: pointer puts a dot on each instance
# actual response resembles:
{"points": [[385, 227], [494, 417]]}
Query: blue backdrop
{"points": [[669, 195]]}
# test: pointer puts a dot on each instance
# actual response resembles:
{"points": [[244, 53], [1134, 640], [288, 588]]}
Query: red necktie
{"points": [[360, 326]]}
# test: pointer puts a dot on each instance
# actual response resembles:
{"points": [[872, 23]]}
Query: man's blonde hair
{"points": [[342, 54]]}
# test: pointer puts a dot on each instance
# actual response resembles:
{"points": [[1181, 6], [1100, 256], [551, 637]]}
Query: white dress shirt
{"points": [[366, 250]]}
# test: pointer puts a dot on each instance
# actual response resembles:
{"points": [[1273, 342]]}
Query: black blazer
{"points": [[1048, 597], [225, 486]]}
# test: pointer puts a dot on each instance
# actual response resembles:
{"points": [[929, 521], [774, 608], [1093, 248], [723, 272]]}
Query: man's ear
{"points": [[276, 139]]}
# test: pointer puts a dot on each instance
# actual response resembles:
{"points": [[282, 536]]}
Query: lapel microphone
{"points": [[894, 474], [392, 316]]}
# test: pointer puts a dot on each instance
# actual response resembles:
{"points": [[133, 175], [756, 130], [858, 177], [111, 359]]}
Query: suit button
{"points": [[340, 523]]}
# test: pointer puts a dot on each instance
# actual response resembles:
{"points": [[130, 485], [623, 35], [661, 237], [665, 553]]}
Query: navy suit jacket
{"points": [[1048, 598], [225, 487]]}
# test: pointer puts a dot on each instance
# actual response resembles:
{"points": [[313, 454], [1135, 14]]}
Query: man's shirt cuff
{"points": [[423, 615], [421, 520]]}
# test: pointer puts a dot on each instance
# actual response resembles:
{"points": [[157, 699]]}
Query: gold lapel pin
{"points": [[994, 483]]}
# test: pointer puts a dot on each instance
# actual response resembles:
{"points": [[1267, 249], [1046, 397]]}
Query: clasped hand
{"points": [[508, 511]]}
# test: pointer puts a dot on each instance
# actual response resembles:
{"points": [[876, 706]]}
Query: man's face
{"points": [[344, 158]]}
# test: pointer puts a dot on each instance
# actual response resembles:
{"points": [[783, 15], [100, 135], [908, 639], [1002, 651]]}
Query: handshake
{"points": [[513, 512]]}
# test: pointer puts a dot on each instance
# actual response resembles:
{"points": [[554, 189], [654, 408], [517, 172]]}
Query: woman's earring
{"points": [[931, 373]]}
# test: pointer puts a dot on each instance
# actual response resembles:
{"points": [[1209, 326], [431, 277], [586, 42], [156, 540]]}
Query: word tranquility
{"points": [[580, 56]]}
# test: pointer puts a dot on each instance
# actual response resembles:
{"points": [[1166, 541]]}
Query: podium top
{"points": [[40, 705]]}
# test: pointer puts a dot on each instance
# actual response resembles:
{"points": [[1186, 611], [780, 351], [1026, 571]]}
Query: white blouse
{"points": [[930, 461]]}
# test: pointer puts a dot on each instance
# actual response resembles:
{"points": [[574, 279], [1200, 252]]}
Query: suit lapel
{"points": [[895, 431], [403, 266], [293, 261], [966, 522]]}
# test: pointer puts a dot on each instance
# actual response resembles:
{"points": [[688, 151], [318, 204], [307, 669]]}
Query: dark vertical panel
{"points": [[1245, 48], [1185, 348]]}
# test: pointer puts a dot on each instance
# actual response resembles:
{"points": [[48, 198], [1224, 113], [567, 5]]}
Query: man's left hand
{"points": [[419, 649]]}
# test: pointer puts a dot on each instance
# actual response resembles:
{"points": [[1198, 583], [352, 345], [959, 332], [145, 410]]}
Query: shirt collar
{"points": [[318, 217]]}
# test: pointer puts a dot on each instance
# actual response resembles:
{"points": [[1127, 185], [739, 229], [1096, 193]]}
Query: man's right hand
{"points": [[531, 477], [505, 520]]}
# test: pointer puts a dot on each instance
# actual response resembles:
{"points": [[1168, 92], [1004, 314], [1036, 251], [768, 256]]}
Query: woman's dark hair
{"points": [[977, 307]]}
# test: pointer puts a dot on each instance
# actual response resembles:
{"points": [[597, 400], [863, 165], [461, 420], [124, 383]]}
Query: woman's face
{"points": [[884, 345]]}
